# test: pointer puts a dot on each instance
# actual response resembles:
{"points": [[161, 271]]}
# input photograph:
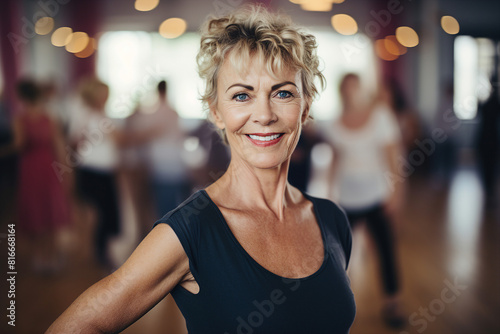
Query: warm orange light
{"points": [[89, 49], [79, 41], [392, 46], [44, 25], [146, 5], [382, 52], [450, 25], [316, 5], [344, 24], [173, 28], [407, 37], [61, 36]]}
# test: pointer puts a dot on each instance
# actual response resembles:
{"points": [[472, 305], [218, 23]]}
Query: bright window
{"points": [[473, 68]]}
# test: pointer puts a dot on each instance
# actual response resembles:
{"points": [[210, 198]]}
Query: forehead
{"points": [[254, 68]]}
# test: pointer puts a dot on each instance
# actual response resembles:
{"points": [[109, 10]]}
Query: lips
{"points": [[264, 139]]}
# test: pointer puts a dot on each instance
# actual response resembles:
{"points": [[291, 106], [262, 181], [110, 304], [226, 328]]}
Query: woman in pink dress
{"points": [[43, 207]]}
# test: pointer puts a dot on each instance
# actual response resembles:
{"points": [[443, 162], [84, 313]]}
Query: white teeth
{"points": [[266, 138]]}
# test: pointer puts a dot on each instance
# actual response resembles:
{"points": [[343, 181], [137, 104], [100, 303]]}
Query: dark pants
{"points": [[100, 190], [379, 226]]}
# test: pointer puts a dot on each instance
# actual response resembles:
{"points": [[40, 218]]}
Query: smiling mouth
{"points": [[265, 139]]}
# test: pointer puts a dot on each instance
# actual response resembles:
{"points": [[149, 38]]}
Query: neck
{"points": [[244, 187]]}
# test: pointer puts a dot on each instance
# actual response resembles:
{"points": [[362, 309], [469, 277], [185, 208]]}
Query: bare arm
{"points": [[394, 203], [157, 265]]}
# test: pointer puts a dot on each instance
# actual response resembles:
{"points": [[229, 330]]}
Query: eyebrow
{"points": [[272, 88]]}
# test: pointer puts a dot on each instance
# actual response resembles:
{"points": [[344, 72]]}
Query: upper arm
{"points": [[157, 265]]}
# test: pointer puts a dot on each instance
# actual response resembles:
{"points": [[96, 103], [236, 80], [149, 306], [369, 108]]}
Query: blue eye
{"points": [[284, 94], [241, 97]]}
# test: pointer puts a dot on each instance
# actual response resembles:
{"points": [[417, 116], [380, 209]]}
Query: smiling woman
{"points": [[250, 253]]}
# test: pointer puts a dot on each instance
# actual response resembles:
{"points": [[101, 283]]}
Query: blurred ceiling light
{"points": [[79, 41], [393, 46], [407, 36], [382, 52], [344, 24], [146, 5], [61, 36], [300, 2], [44, 25], [316, 5], [89, 49], [173, 28], [450, 25]]}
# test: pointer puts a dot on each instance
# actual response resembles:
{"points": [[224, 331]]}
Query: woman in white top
{"points": [[95, 139], [366, 140]]}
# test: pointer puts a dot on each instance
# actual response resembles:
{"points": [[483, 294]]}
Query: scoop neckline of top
{"points": [[223, 221]]}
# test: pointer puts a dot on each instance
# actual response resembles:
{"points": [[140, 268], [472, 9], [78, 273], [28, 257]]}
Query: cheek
{"points": [[233, 118]]}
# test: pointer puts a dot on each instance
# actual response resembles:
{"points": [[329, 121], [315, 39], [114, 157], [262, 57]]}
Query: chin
{"points": [[266, 161]]}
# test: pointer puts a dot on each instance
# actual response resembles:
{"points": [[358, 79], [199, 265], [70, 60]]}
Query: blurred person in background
{"points": [[216, 156], [154, 159], [300, 162], [366, 140], [95, 140], [391, 94], [42, 205], [250, 241], [169, 173]]}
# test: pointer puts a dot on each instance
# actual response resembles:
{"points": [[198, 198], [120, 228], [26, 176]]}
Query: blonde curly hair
{"points": [[254, 31]]}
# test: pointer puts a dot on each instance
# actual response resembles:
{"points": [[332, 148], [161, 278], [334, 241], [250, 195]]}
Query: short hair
{"points": [[29, 91], [253, 30]]}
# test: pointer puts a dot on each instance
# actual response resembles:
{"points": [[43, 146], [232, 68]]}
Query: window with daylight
{"points": [[473, 69]]}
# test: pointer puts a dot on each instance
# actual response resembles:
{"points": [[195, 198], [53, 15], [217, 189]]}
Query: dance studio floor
{"points": [[448, 255]]}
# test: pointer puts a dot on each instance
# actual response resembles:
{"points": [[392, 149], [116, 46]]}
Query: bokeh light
{"points": [[79, 41], [407, 36], [44, 25], [316, 5], [173, 27], [89, 49], [393, 46], [146, 5], [450, 25], [344, 24], [382, 52], [61, 36]]}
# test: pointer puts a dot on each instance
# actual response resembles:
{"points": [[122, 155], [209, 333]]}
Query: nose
{"points": [[264, 113]]}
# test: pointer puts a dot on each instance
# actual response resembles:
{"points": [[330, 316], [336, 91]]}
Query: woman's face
{"points": [[262, 114]]}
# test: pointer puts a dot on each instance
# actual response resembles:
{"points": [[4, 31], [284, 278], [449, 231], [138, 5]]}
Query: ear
{"points": [[216, 116], [305, 113]]}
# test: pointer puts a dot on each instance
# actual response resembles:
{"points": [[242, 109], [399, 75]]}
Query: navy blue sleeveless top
{"points": [[239, 296]]}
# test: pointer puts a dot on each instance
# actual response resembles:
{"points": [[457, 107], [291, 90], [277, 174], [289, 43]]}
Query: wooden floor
{"points": [[449, 259]]}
